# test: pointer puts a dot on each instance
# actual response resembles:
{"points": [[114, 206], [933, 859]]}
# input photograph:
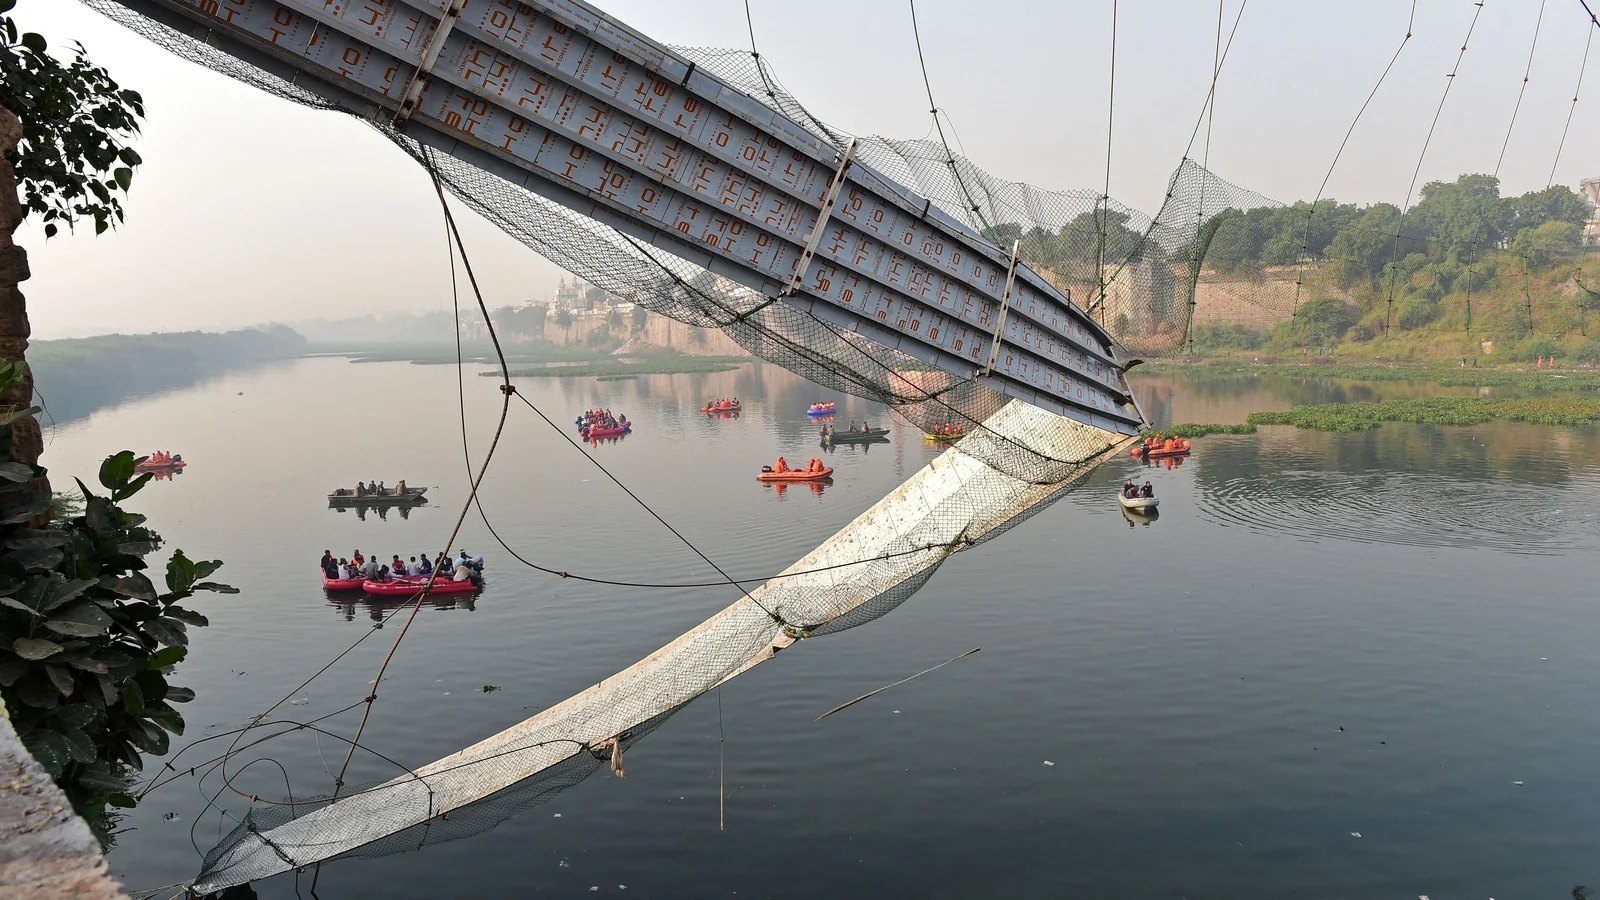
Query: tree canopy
{"points": [[73, 162]]}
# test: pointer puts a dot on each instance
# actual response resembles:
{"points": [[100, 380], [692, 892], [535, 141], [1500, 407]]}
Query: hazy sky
{"points": [[251, 209]]}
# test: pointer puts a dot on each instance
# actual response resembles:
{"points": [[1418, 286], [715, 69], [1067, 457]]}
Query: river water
{"points": [[1156, 710]]}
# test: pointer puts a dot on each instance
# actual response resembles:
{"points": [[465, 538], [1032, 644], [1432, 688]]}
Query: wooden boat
{"points": [[797, 475], [341, 584], [868, 436], [1138, 504], [347, 497], [722, 410], [408, 586]]}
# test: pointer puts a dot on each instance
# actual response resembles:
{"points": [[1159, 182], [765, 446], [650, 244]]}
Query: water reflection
{"points": [[345, 603], [816, 486], [1501, 486], [1140, 518], [382, 509]]}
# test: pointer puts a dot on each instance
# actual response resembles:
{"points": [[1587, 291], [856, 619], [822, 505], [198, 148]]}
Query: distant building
{"points": [[1590, 188]]}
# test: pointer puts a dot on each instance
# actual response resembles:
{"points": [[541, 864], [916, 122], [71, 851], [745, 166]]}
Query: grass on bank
{"points": [[1440, 375], [667, 365], [1351, 417], [1194, 430]]}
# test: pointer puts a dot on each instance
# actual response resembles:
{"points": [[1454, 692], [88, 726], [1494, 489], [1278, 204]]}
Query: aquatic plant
{"points": [[670, 365], [1349, 417], [1445, 376], [1193, 430]]}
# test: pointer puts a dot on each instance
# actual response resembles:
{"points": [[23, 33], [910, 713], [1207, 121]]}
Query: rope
{"points": [[1305, 240], [1105, 195], [1200, 210], [1450, 81], [933, 110], [1525, 75], [1575, 91]]}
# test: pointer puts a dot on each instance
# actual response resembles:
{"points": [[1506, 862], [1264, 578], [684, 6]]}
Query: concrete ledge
{"points": [[46, 851]]}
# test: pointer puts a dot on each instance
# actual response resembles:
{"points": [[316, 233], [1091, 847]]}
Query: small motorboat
{"points": [[408, 586], [341, 584], [866, 436], [349, 497], [595, 434], [722, 409], [166, 464], [822, 409], [767, 474], [1170, 447], [1139, 504]]}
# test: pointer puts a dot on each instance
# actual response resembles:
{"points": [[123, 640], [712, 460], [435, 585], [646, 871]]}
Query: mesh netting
{"points": [[1014, 459]]}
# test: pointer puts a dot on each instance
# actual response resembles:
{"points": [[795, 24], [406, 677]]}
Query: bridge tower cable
{"points": [[1305, 238], [1575, 92], [1526, 74], [949, 157], [1105, 194], [1205, 163], [1450, 80]]}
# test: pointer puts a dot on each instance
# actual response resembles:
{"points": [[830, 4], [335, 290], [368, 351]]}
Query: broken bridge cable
{"points": [[896, 684], [483, 469]]}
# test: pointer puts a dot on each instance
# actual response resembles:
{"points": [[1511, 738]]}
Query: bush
{"points": [[1534, 348], [1588, 353], [1415, 312], [1214, 337]]}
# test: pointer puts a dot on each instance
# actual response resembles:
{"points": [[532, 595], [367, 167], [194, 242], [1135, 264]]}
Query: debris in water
{"points": [[490, 688], [622, 887], [1048, 763], [556, 816], [1517, 783], [1355, 834], [1341, 729], [897, 712], [566, 864], [169, 816], [594, 887]]}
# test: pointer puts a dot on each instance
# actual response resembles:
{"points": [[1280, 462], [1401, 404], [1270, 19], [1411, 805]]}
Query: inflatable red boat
{"points": [[409, 586]]}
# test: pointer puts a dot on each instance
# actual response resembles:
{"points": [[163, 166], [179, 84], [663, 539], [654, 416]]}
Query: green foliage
{"points": [[1448, 377], [666, 365], [641, 317], [1348, 417], [1193, 430], [87, 641], [1211, 337], [598, 337], [1318, 322], [564, 319], [614, 319], [73, 162], [1534, 348]]}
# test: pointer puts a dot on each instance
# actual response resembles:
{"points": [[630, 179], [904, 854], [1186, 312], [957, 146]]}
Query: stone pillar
{"points": [[26, 443]]}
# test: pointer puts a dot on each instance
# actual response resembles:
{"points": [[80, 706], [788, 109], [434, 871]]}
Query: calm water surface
{"points": [[1429, 590]]}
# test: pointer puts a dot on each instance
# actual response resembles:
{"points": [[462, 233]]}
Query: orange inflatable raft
{"points": [[1168, 447], [816, 471]]}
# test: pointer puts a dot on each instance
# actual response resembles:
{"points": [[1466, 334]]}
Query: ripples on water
{"points": [[1292, 493]]}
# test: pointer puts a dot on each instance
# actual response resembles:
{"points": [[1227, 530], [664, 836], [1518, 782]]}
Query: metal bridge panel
{"points": [[574, 106]]}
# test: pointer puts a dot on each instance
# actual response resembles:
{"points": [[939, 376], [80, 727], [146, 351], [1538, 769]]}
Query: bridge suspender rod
{"points": [[430, 55], [1005, 307], [829, 200]]}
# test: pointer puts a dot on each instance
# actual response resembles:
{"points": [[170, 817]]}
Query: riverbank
{"points": [[1445, 376]]}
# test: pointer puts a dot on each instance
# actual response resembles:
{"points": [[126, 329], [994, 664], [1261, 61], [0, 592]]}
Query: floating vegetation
{"points": [[1194, 430], [670, 365], [1445, 377], [1349, 417], [617, 377]]}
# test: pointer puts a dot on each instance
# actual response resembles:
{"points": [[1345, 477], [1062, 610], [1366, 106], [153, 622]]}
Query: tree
{"points": [[1556, 203], [1540, 246], [1361, 250], [1461, 215], [63, 134], [640, 317], [72, 160]]}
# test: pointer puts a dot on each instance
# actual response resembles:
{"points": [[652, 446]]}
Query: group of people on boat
{"points": [[162, 458], [830, 430], [782, 466], [462, 568], [1158, 446], [374, 489], [726, 403], [948, 430], [1133, 491], [593, 419], [822, 407]]}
